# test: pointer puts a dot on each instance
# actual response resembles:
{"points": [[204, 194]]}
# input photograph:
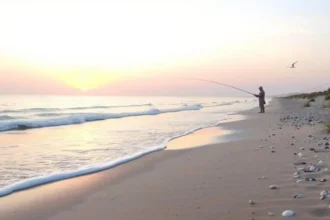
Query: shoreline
{"points": [[43, 180], [213, 181]]}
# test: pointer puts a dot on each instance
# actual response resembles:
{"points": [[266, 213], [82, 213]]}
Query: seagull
{"points": [[293, 65]]}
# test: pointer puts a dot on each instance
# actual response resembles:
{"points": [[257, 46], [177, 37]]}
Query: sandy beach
{"points": [[196, 178]]}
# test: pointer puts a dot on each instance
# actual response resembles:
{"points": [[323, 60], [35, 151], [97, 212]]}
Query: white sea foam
{"points": [[32, 182], [74, 108], [78, 118]]}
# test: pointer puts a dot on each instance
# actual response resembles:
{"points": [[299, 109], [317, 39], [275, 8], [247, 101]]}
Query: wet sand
{"points": [[213, 181]]}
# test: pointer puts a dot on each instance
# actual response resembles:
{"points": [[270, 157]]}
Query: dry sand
{"points": [[214, 181]]}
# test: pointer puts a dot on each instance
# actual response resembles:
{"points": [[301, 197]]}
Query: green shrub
{"points": [[327, 97], [327, 126]]}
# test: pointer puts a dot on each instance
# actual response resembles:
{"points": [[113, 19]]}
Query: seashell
{"points": [[320, 162], [251, 202], [273, 187], [288, 213], [300, 155], [298, 196]]}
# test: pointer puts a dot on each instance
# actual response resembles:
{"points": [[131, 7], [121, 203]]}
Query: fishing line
{"points": [[210, 81]]}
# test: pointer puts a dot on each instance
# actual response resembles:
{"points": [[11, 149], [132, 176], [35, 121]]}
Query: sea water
{"points": [[49, 138]]}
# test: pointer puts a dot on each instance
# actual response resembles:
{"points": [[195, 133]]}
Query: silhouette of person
{"points": [[261, 97]]}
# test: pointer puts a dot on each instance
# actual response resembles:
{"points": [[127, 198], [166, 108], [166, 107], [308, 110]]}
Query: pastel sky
{"points": [[148, 47]]}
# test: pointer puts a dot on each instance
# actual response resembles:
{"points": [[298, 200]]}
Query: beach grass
{"points": [[311, 96], [327, 97], [327, 126]]}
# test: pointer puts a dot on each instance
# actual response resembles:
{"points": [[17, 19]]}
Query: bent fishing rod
{"points": [[210, 81]]}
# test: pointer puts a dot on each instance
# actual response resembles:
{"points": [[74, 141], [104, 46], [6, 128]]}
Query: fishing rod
{"points": [[210, 81]]}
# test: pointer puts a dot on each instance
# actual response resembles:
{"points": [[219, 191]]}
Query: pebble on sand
{"points": [[273, 187], [288, 213], [252, 202], [270, 214], [324, 193], [298, 196]]}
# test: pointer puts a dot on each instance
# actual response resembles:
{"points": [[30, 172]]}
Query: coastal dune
{"points": [[212, 181]]}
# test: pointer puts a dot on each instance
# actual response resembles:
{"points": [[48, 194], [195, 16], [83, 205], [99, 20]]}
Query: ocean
{"points": [[49, 138]]}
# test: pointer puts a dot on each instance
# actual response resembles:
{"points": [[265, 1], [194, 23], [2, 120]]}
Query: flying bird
{"points": [[292, 66]]}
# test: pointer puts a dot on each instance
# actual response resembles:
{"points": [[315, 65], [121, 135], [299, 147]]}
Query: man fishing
{"points": [[261, 97], [261, 94]]}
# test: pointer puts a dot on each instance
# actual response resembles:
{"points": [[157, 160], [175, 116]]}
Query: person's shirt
{"points": [[261, 95]]}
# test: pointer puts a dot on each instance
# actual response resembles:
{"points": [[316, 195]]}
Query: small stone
{"points": [[324, 193], [273, 151], [323, 180], [251, 202], [270, 214], [288, 213], [302, 148], [310, 179], [298, 196], [273, 187]]}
